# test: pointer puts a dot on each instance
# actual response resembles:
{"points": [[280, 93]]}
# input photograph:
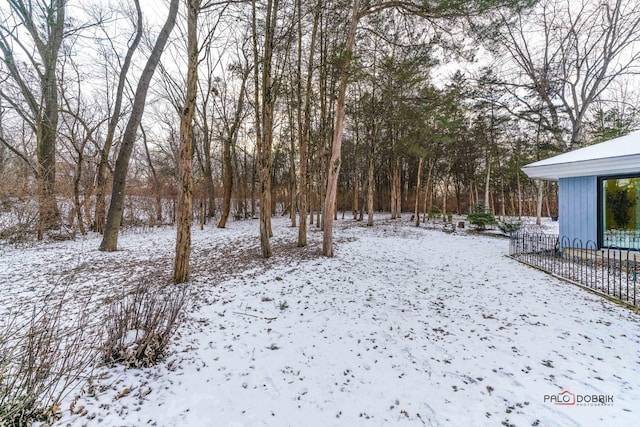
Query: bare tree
{"points": [[116, 207], [79, 125], [37, 104], [265, 99], [334, 163], [3, 148], [157, 185], [585, 47], [305, 129], [103, 163], [231, 127], [599, 46], [173, 89], [185, 163]]}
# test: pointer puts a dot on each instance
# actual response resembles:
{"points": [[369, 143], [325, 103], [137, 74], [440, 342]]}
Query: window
{"points": [[620, 214]]}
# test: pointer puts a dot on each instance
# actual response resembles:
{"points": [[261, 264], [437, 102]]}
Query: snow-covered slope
{"points": [[404, 326]]}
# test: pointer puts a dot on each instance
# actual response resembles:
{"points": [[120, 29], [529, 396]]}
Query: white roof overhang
{"points": [[614, 157]]}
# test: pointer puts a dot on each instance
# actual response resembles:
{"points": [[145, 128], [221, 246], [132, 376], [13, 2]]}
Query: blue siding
{"points": [[578, 208]]}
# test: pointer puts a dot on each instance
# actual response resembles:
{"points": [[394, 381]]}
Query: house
{"points": [[598, 192]]}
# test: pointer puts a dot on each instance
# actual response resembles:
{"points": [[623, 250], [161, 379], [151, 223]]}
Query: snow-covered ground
{"points": [[404, 326]]}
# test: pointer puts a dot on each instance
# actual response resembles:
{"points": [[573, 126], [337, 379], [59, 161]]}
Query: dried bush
{"points": [[139, 325], [19, 223], [43, 358]]}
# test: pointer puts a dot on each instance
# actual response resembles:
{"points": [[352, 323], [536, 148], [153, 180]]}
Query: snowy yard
{"points": [[404, 326]]}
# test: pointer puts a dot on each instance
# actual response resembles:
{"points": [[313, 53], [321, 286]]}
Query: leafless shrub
{"points": [[139, 325], [43, 358], [64, 233], [19, 223]]}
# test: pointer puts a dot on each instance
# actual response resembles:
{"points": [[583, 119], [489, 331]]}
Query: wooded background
{"points": [[118, 114]]}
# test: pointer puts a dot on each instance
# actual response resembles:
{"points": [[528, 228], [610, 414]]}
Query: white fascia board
{"points": [[628, 145], [599, 167]]}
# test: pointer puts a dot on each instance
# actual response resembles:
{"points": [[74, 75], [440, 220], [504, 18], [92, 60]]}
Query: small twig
{"points": [[253, 315], [245, 314]]}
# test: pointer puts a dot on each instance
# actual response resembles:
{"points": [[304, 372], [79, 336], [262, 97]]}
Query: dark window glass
{"points": [[621, 212]]}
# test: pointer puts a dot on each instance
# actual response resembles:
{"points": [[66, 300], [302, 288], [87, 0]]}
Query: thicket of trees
{"points": [[272, 107]]}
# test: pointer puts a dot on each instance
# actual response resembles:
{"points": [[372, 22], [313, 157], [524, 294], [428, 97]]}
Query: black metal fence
{"points": [[611, 271], [622, 238]]}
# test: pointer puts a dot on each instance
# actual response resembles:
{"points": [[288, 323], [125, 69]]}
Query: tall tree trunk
{"points": [[299, 124], [334, 163], [245, 185], [356, 182], [303, 203], [519, 192], [207, 186], [264, 134], [156, 181], [321, 153], [398, 188], [319, 200], [229, 144], [546, 204], [76, 192], [476, 194], [504, 196], [322, 179], [47, 119], [3, 149], [116, 207], [513, 208], [86, 204], [416, 210], [445, 189], [370, 182], [101, 175], [312, 204], [227, 183], [426, 200], [253, 184], [44, 23], [487, 185], [185, 162], [540, 185], [49, 214], [292, 159], [201, 213], [392, 193], [209, 183], [47, 123]]}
